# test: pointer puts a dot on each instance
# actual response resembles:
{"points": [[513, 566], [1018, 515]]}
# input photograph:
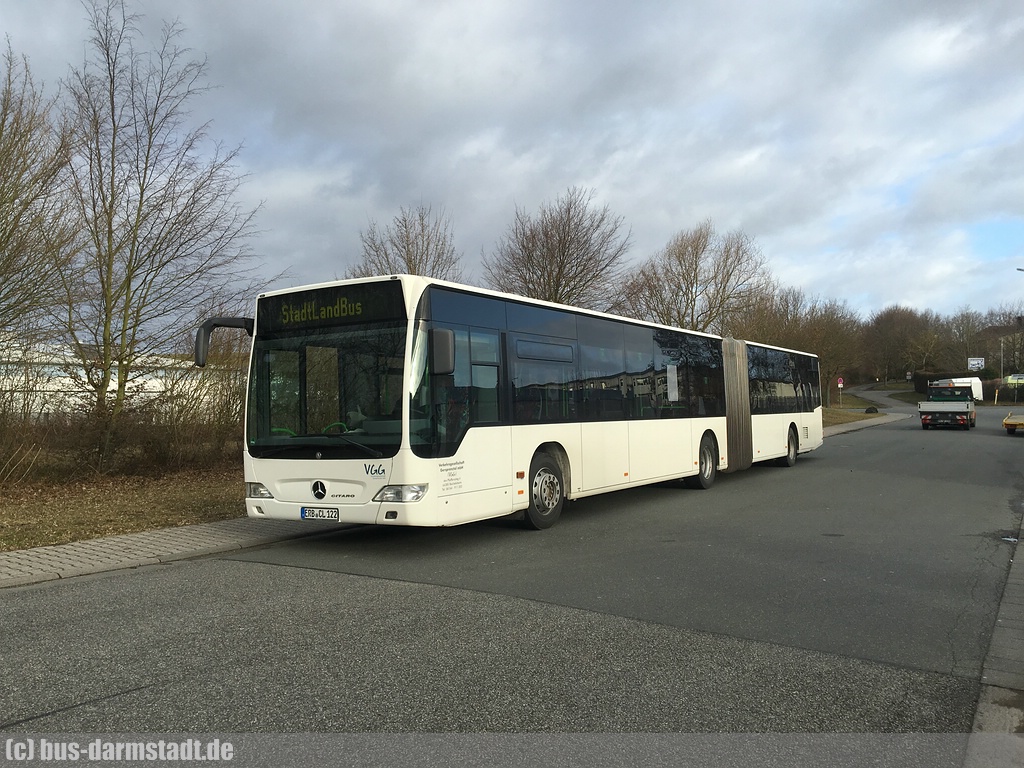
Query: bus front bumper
{"points": [[373, 513]]}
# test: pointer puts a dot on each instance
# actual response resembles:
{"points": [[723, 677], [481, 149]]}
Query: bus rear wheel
{"points": [[707, 465], [547, 492], [792, 445]]}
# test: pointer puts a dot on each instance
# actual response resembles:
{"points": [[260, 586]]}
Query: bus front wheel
{"points": [[547, 492], [707, 465]]}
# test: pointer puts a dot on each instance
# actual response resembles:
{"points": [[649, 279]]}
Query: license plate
{"points": [[318, 513]]}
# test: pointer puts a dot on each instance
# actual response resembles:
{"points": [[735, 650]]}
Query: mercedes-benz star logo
{"points": [[319, 489]]}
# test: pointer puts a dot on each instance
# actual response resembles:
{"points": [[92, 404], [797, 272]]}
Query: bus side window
{"points": [[485, 358]]}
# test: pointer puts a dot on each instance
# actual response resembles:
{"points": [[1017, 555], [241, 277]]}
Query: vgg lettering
{"points": [[374, 470]]}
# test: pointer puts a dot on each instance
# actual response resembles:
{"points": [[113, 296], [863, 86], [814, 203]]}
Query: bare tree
{"points": [[924, 346], [963, 338], [35, 234], [572, 253], [199, 412], [775, 317], [825, 327], [162, 233], [700, 280], [834, 332], [889, 341], [416, 242], [1003, 335]]}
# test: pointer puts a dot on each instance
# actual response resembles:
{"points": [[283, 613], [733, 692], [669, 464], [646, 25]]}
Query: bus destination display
{"points": [[330, 306]]}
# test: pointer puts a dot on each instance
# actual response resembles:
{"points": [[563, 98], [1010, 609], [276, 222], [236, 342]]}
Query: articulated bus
{"points": [[403, 400]]}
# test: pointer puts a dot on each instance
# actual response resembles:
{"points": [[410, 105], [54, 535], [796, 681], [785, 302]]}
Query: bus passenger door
{"points": [[475, 483]]}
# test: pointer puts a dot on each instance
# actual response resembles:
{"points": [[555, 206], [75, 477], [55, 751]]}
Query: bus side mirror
{"points": [[442, 351], [206, 329]]}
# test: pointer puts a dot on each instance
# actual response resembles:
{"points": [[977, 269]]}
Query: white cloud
{"points": [[858, 143]]}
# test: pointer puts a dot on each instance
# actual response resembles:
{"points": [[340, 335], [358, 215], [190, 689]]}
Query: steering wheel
{"points": [[281, 431], [341, 424]]}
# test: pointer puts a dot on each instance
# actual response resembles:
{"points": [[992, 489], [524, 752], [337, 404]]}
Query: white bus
{"points": [[403, 400]]}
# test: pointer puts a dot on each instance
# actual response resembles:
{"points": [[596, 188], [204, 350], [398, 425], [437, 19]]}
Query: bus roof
{"points": [[420, 283]]}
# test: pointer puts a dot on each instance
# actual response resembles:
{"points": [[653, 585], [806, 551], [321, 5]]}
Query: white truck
{"points": [[950, 403]]}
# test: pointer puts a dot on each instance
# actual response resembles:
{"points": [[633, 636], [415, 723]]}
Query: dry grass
{"points": [[830, 417], [34, 515], [853, 410]]}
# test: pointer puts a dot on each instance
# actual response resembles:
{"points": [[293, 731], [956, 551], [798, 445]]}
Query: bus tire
{"points": [[792, 446], [547, 492], [707, 465]]}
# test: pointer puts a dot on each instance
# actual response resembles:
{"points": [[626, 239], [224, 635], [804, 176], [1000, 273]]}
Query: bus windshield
{"points": [[321, 386]]}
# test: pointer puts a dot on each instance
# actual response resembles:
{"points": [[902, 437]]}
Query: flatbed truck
{"points": [[1012, 423], [950, 403]]}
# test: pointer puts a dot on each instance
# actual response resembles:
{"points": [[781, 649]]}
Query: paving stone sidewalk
{"points": [[131, 550]]}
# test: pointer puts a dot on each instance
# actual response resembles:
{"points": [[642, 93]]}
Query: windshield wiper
{"points": [[266, 452], [373, 452]]}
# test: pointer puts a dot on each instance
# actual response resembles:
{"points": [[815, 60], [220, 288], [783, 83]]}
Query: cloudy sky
{"points": [[874, 149]]}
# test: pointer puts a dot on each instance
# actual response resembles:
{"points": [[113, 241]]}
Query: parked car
{"points": [[1014, 380]]}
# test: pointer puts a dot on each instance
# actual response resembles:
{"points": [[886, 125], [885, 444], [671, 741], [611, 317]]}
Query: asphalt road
{"points": [[852, 594]]}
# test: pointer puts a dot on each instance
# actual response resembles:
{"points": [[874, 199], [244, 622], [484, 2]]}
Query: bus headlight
{"points": [[257, 491], [391, 493]]}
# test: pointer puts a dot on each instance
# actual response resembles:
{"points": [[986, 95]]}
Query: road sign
{"points": [[840, 382]]}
